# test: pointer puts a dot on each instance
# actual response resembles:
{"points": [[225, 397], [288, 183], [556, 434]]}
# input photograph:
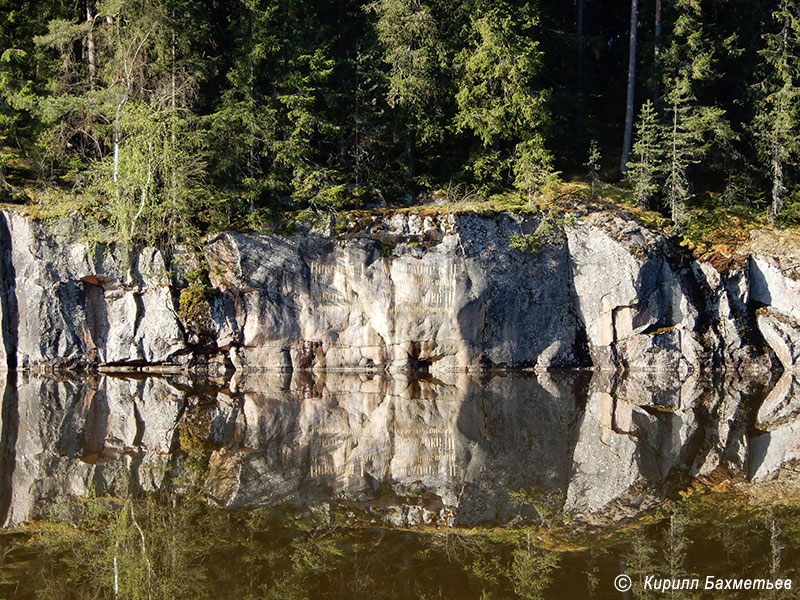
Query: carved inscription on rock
{"points": [[407, 287]]}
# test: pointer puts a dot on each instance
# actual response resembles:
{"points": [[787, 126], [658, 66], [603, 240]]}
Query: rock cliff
{"points": [[445, 292]]}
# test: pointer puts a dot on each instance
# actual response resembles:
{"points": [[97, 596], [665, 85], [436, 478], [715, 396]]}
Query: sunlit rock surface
{"points": [[458, 450], [457, 298], [442, 293], [83, 436], [74, 304]]}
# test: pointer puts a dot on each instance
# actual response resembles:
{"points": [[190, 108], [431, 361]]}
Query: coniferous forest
{"points": [[167, 119]]}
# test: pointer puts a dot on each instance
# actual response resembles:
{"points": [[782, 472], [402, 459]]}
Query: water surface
{"points": [[333, 485]]}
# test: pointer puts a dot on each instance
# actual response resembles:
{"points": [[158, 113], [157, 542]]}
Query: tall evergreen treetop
{"points": [[692, 126], [497, 95], [498, 98], [777, 118]]}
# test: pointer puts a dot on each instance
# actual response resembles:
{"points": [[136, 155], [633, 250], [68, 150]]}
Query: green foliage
{"points": [[497, 98], [527, 242], [647, 152], [533, 167], [172, 119], [414, 54], [777, 117], [549, 231], [531, 571], [692, 127], [547, 507], [194, 309], [125, 132], [170, 546], [593, 165]]}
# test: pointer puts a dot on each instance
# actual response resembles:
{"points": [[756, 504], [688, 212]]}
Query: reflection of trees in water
{"points": [[175, 548], [640, 557], [676, 544], [503, 563], [713, 534], [487, 440], [164, 547]]}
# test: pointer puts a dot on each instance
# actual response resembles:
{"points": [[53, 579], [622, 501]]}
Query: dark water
{"points": [[345, 486]]}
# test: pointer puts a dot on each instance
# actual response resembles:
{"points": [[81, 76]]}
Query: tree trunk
{"points": [[90, 51], [673, 192], [627, 139], [778, 187], [145, 189], [410, 143], [657, 56], [580, 121], [778, 149], [775, 545], [173, 114]]}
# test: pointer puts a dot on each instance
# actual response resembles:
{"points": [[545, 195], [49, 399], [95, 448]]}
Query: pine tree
{"points": [[778, 116], [644, 170], [68, 105]]}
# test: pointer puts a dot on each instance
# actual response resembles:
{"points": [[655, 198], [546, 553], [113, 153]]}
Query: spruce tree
{"points": [[644, 170], [777, 119], [691, 125], [497, 98], [592, 165], [533, 167], [365, 111], [414, 55], [243, 124], [22, 75], [15, 97], [266, 129]]}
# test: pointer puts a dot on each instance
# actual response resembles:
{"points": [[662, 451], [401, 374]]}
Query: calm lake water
{"points": [[358, 486]]}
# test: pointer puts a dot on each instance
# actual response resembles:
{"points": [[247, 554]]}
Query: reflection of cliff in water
{"points": [[403, 451]]}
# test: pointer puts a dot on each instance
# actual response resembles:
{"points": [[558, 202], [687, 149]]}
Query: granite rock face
{"points": [[777, 290], [74, 305], [444, 293], [449, 293], [462, 301]]}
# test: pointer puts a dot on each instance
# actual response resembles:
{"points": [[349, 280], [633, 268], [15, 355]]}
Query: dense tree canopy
{"points": [[179, 116]]}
